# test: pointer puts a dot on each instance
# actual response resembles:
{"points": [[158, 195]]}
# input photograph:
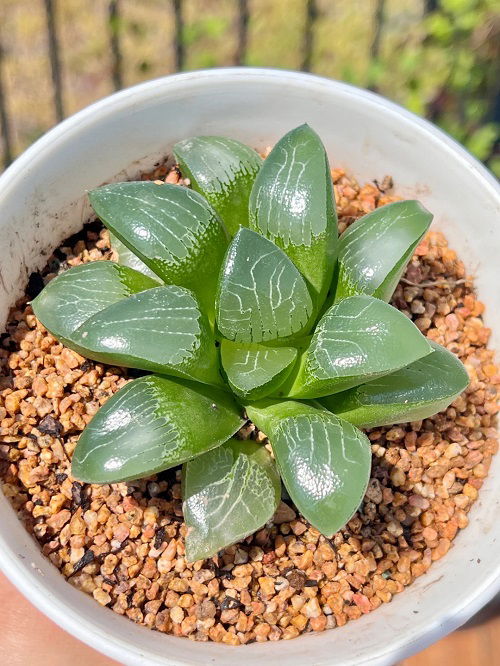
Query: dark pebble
{"points": [[50, 426], [230, 604], [159, 537], [81, 495], [87, 558], [297, 579]]}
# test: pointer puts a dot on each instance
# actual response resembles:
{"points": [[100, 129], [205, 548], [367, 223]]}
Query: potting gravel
{"points": [[124, 543]]}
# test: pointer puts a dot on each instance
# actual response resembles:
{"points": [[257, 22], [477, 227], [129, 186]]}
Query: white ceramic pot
{"points": [[42, 202]]}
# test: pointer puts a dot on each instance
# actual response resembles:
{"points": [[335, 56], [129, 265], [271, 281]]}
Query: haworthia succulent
{"points": [[358, 339], [292, 204], [151, 424], [228, 493], [261, 296], [172, 229], [127, 258], [82, 291], [242, 315], [374, 251], [223, 170], [254, 371], [324, 461], [424, 388], [161, 330]]}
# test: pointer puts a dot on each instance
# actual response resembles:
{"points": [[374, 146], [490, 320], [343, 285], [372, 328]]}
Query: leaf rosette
{"points": [[236, 295]]}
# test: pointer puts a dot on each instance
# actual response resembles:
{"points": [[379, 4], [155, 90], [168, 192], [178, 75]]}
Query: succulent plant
{"points": [[284, 321]]}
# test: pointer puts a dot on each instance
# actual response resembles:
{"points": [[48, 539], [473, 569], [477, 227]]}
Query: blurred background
{"points": [[438, 58]]}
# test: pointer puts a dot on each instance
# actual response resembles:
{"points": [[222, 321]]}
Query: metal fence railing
{"points": [[177, 7], [53, 28], [177, 38]]}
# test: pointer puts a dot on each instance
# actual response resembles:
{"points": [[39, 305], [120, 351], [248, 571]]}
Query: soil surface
{"points": [[124, 543]]}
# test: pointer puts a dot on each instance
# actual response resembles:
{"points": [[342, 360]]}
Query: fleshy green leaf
{"points": [[357, 340], [421, 390], [254, 371], [161, 330], [127, 258], [375, 250], [80, 292], [151, 424], [172, 229], [262, 296], [228, 493], [292, 204], [324, 461], [223, 170]]}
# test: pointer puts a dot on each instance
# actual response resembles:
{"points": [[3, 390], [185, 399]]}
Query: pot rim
{"points": [[28, 579]]}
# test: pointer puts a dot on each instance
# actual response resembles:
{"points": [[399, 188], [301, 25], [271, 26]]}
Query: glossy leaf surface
{"points": [[292, 204], [151, 424], [254, 371], [262, 296], [375, 250], [421, 390], [161, 330], [172, 229], [324, 461], [82, 291], [228, 493], [127, 258], [223, 171], [358, 339]]}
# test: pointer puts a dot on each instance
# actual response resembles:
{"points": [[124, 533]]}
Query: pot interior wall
{"points": [[42, 202]]}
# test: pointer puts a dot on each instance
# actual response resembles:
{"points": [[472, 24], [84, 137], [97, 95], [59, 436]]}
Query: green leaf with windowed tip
{"points": [[170, 228], [229, 493], [323, 460], [357, 340], [127, 258], [151, 424], [261, 296], [161, 330], [74, 296], [254, 371], [416, 392], [375, 250], [223, 171], [292, 204]]}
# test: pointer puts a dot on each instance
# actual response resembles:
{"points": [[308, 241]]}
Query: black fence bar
{"points": [[378, 26], [179, 52], [114, 43], [4, 118], [243, 19], [308, 41], [430, 6], [55, 62]]}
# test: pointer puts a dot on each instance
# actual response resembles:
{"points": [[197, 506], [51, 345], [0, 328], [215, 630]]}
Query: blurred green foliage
{"points": [[451, 73], [439, 58]]}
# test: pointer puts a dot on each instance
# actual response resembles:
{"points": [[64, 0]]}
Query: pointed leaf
{"points": [[80, 292], [127, 258], [262, 296], [223, 170], [161, 330], [228, 493], [414, 393], [172, 229], [358, 339], [375, 250], [324, 461], [254, 371], [292, 204], [151, 424]]}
